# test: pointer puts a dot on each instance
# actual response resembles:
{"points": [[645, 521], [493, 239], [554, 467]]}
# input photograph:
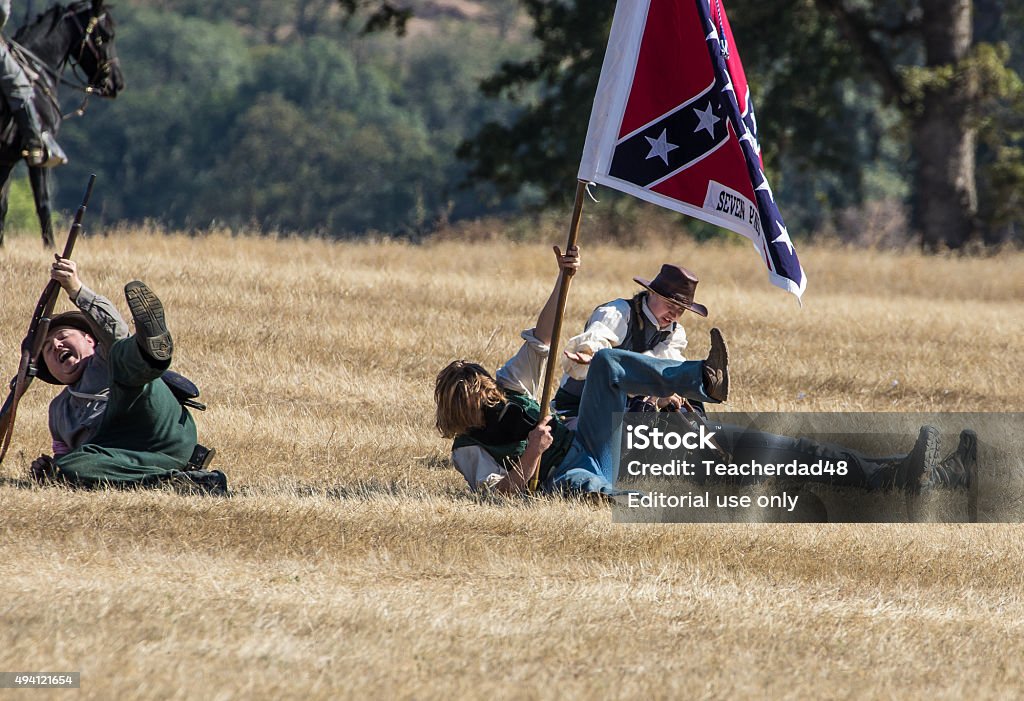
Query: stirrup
{"points": [[47, 153]]}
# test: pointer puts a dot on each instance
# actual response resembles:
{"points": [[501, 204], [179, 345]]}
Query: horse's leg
{"points": [[5, 175], [41, 192]]}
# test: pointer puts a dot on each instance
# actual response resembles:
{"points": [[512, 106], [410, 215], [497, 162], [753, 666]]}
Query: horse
{"points": [[80, 35]]}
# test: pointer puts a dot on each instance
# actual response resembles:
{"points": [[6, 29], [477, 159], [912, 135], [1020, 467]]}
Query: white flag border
{"points": [[688, 209]]}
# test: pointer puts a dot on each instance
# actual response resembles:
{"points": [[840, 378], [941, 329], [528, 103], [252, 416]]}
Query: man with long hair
{"points": [[501, 438]]}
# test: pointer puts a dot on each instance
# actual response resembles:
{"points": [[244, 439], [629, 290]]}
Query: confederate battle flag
{"points": [[673, 124]]}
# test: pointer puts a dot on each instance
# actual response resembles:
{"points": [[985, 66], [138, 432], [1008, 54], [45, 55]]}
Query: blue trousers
{"points": [[591, 462]]}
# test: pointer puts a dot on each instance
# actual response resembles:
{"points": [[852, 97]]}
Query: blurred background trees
{"points": [[876, 116], [286, 116], [869, 111]]}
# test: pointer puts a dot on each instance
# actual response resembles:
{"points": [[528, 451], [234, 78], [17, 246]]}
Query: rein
{"points": [[89, 41], [39, 65]]}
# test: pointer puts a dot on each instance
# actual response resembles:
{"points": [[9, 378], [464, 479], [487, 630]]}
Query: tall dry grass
{"points": [[352, 563]]}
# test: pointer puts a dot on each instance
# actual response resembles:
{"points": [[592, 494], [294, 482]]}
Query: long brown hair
{"points": [[462, 391]]}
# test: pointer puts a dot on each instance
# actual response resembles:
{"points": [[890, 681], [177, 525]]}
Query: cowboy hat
{"points": [[677, 285]]}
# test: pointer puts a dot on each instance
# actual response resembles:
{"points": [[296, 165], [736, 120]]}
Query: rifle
{"points": [[37, 330], [694, 419]]}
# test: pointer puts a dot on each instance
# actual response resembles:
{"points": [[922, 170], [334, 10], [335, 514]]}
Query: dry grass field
{"points": [[350, 562]]}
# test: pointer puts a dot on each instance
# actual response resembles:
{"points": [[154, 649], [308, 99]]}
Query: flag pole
{"points": [[556, 329]]}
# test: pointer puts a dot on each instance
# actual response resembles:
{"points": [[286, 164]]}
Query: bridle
{"points": [[91, 42]]}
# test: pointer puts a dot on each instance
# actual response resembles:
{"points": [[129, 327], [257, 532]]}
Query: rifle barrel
{"points": [[76, 225], [37, 330]]}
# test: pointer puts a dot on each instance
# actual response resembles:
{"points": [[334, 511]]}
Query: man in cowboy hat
{"points": [[115, 423], [647, 323]]}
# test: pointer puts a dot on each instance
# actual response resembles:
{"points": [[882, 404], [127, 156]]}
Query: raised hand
{"points": [[65, 272]]}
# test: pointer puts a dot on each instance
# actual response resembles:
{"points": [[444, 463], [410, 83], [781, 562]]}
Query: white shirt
{"points": [[607, 328]]}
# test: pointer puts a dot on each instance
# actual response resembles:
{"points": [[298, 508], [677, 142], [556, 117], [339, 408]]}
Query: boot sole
{"points": [[150, 327], [721, 391], [928, 445]]}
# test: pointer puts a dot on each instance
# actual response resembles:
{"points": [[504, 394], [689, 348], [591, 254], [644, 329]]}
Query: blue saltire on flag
{"points": [[673, 124]]}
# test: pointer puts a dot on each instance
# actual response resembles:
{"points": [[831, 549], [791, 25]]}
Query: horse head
{"points": [[93, 50]]}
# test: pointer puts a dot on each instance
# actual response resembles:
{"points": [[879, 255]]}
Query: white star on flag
{"points": [[673, 66], [660, 147], [783, 237], [763, 185], [750, 111], [706, 120]]}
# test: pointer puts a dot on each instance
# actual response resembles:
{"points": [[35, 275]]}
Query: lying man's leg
{"points": [[95, 466], [746, 445], [616, 373], [145, 432]]}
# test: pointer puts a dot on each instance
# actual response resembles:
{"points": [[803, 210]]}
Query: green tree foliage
{"points": [[944, 65], [850, 97], [21, 208], [245, 120], [276, 20], [152, 145], [555, 88], [1000, 121]]}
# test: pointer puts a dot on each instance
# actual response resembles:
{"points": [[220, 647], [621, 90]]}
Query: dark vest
{"points": [[641, 336], [505, 433]]}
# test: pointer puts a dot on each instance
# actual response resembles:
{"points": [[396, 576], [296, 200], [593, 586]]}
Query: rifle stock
{"points": [[37, 330]]}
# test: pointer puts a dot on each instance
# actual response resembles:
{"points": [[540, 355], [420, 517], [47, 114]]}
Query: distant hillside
{"points": [[282, 20]]}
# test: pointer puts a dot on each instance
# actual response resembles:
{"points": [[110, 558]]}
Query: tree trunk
{"points": [[946, 200]]}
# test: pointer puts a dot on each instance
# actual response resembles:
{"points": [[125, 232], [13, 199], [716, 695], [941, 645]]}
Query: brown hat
{"points": [[677, 285], [75, 320]]}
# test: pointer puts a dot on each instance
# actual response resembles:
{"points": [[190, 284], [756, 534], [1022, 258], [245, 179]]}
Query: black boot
{"points": [[150, 327], [39, 147], [958, 469], [917, 470], [209, 482], [201, 457], [716, 368]]}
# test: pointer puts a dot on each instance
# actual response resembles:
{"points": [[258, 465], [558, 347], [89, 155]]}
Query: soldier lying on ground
{"points": [[500, 441], [116, 423]]}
